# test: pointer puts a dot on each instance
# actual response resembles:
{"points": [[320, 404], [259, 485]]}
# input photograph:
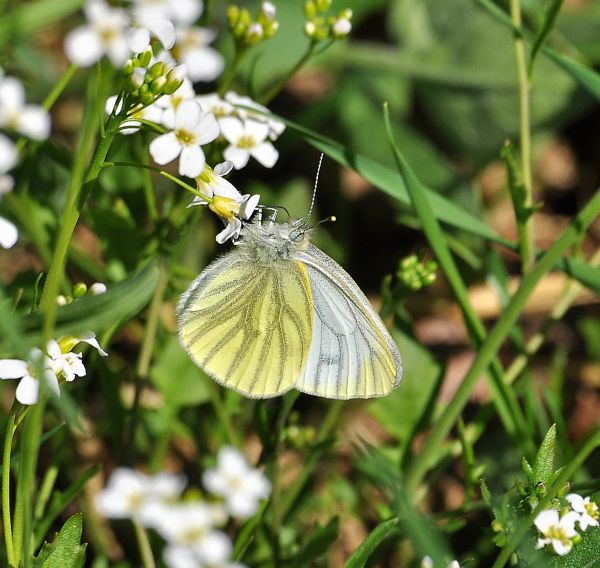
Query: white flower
{"points": [[228, 203], [97, 288], [203, 62], [9, 234], [179, 11], [269, 10], [557, 531], [153, 113], [15, 114], [140, 34], [105, 34], [276, 127], [215, 104], [587, 509], [69, 365], [192, 129], [128, 492], [247, 139], [8, 154], [170, 103], [7, 183], [240, 485], [29, 386]]}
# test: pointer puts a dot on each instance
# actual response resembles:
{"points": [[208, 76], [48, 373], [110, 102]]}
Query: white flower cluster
{"points": [[559, 528], [18, 117], [189, 527], [57, 363], [427, 562], [119, 32]]}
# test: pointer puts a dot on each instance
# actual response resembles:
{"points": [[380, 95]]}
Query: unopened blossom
{"points": [[97, 288], [558, 532], [248, 138], [106, 33], [192, 129], [29, 372], [128, 492], [17, 115], [587, 509], [241, 486], [341, 28], [276, 127], [427, 562], [227, 202], [152, 113], [192, 48]]}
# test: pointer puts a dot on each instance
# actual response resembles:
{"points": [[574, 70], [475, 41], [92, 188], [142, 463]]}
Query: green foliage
{"points": [[66, 550]]}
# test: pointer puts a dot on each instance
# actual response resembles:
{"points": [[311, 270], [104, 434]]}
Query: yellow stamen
{"points": [[224, 207]]}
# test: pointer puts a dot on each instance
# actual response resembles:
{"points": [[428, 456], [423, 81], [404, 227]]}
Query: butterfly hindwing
{"points": [[249, 323], [352, 354]]}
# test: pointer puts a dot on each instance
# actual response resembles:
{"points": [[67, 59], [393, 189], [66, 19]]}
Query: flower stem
{"points": [[240, 53], [526, 241], [282, 82], [498, 334], [6, 520], [144, 544]]}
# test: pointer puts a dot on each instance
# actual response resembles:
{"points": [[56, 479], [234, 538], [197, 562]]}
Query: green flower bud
{"points": [[157, 86], [79, 290], [175, 78], [128, 67], [233, 15], [323, 5], [497, 526], [157, 70], [254, 34], [310, 29], [145, 96], [145, 57], [310, 9]]}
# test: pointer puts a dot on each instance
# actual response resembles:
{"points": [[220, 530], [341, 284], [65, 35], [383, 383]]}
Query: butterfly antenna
{"points": [[314, 193]]}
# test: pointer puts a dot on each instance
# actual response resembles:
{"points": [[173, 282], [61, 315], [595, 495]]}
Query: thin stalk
{"points": [[147, 348], [498, 334], [329, 422], [504, 398], [282, 82], [222, 413], [6, 520], [526, 243], [144, 545], [240, 54]]}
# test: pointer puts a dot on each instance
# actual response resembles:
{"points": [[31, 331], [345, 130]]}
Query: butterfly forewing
{"points": [[249, 323], [352, 354]]}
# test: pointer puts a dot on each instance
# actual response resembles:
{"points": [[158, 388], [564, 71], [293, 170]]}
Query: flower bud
{"points": [[310, 9], [79, 290], [145, 57], [323, 5], [128, 67], [254, 34], [62, 300], [97, 288], [341, 28], [157, 70], [233, 15], [268, 10], [310, 29], [157, 86], [175, 78], [138, 77], [145, 96]]}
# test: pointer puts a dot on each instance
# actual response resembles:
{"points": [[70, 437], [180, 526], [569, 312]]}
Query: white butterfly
{"points": [[276, 313]]}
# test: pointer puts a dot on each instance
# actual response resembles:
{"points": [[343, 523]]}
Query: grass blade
{"points": [[548, 22]]}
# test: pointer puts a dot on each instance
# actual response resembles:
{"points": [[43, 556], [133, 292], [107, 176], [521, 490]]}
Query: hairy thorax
{"points": [[274, 241]]}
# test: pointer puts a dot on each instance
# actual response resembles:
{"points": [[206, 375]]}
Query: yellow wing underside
{"points": [[251, 327]]}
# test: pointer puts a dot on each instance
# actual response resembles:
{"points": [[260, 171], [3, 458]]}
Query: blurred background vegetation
{"points": [[447, 70]]}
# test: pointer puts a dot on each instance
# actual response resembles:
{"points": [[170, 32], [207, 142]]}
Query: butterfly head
{"points": [[271, 241]]}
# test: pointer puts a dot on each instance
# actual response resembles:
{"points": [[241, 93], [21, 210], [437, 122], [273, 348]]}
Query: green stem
{"points": [[282, 82], [494, 340], [144, 545], [240, 54], [222, 414], [566, 474], [504, 398], [6, 520], [526, 243]]}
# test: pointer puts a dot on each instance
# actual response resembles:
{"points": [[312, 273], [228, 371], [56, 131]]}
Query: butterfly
{"points": [[276, 313]]}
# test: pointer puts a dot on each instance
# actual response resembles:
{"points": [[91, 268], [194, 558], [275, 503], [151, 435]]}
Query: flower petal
{"points": [[34, 122], [232, 230], [8, 154], [12, 368], [232, 128], [546, 519], [138, 39], [165, 148], [83, 46], [164, 31], [12, 93], [223, 168], [238, 156], [203, 63], [207, 128], [9, 233], [265, 154], [191, 161], [90, 337], [28, 390], [561, 548], [188, 115], [248, 206]]}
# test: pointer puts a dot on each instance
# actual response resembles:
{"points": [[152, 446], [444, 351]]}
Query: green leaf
{"points": [[362, 554], [121, 302], [392, 183], [318, 543], [545, 460], [584, 75], [60, 499], [66, 550], [548, 22], [176, 376], [32, 16]]}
